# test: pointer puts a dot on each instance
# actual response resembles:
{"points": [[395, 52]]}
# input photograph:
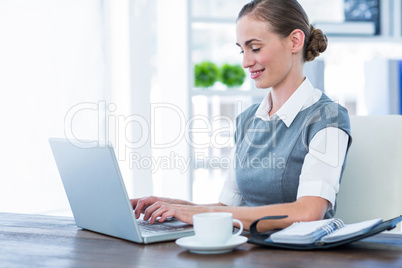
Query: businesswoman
{"points": [[296, 126]]}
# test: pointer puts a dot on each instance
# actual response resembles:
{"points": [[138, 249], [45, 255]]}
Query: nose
{"points": [[248, 60]]}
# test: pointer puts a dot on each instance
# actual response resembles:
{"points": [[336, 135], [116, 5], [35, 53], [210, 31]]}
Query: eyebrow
{"points": [[248, 42]]}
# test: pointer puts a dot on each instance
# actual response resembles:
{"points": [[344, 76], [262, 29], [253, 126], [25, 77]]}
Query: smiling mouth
{"points": [[257, 72]]}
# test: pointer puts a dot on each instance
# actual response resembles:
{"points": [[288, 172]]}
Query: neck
{"points": [[282, 92]]}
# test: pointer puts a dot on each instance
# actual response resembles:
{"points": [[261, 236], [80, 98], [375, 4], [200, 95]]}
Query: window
{"points": [[214, 109], [51, 60]]}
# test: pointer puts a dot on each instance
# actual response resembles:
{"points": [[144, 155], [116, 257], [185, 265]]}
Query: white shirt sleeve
{"points": [[322, 165], [230, 194]]}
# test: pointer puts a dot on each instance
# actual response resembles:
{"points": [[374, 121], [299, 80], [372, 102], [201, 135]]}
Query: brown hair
{"points": [[284, 16]]}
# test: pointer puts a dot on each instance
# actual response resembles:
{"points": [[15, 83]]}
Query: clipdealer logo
{"points": [[116, 129]]}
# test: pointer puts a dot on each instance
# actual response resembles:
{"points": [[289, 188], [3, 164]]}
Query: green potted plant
{"points": [[206, 74], [232, 75]]}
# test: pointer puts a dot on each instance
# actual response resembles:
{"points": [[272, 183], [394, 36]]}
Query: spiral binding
{"points": [[339, 223]]}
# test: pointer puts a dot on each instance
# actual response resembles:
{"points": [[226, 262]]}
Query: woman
{"points": [[291, 148]]}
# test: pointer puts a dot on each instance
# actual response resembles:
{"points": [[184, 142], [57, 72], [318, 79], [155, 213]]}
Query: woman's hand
{"points": [[141, 205], [161, 208], [165, 210]]}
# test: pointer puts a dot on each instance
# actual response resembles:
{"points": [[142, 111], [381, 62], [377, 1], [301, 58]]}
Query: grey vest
{"points": [[269, 155]]}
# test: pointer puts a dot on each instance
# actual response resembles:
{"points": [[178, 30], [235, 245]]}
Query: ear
{"points": [[297, 39]]}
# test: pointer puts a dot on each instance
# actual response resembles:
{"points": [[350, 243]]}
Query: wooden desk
{"points": [[46, 241]]}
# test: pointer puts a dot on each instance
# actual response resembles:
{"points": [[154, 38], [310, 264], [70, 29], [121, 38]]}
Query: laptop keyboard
{"points": [[156, 227]]}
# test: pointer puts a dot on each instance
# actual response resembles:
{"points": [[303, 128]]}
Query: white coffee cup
{"points": [[215, 228]]}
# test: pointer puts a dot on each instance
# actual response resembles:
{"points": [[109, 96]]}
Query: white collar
{"points": [[304, 96]]}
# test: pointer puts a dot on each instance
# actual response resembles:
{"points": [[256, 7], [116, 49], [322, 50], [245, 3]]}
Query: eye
{"points": [[256, 49], [242, 52]]}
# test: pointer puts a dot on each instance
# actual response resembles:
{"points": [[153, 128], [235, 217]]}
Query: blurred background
{"points": [[123, 71]]}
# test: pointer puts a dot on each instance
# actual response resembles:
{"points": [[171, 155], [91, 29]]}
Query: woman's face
{"points": [[266, 55]]}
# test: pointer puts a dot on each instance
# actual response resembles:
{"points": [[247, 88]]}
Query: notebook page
{"points": [[303, 228], [300, 232]]}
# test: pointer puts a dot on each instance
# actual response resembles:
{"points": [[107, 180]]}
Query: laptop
{"points": [[98, 197]]}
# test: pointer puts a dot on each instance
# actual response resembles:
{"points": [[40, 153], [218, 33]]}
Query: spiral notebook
{"points": [[319, 234]]}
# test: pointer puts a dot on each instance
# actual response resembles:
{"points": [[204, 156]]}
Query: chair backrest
{"points": [[371, 185]]}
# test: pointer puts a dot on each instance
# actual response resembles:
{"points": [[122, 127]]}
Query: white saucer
{"points": [[191, 243]]}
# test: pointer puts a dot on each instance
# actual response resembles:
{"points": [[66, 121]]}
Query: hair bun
{"points": [[317, 43]]}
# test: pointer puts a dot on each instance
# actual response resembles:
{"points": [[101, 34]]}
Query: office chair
{"points": [[371, 185]]}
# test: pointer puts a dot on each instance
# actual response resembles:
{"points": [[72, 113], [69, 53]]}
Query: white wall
{"points": [[51, 60], [89, 69], [170, 98]]}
